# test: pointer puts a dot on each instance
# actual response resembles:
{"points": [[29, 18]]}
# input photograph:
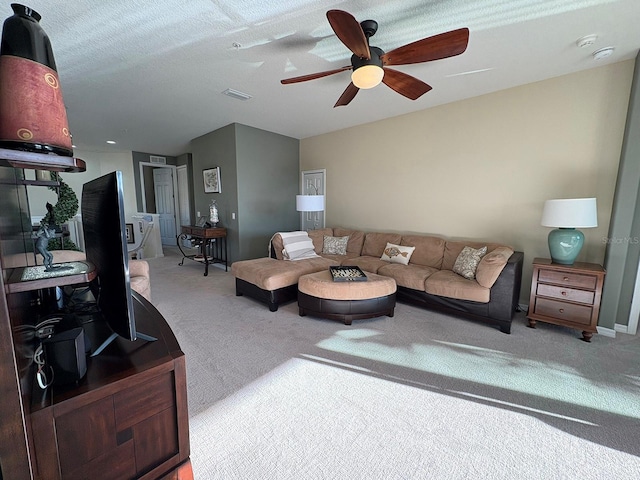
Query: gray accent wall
{"points": [[259, 177], [623, 243]]}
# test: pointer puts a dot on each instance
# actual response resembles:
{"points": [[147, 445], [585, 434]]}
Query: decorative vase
{"points": [[213, 213], [565, 245], [32, 112]]}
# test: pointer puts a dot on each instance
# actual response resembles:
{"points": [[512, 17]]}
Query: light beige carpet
{"points": [[418, 396]]}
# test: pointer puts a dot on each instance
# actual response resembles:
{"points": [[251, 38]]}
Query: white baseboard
{"points": [[621, 328], [608, 332]]}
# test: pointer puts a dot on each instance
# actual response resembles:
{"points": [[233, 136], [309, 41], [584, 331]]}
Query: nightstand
{"points": [[566, 295]]}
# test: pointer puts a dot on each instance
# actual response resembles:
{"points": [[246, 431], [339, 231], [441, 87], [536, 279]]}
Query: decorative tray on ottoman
{"points": [[347, 274]]}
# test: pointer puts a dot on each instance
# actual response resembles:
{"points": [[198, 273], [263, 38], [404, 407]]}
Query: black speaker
{"points": [[65, 354]]}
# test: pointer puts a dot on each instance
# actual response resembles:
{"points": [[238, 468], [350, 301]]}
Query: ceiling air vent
{"points": [[230, 92], [157, 159]]}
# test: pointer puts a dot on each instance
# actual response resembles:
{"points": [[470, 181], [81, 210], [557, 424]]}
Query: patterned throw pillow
{"points": [[397, 253], [335, 245], [468, 260]]}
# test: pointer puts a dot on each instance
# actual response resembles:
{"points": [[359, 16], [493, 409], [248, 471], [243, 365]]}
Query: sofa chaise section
{"points": [[274, 281]]}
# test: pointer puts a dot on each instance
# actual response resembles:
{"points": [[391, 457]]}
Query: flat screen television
{"points": [[105, 242]]}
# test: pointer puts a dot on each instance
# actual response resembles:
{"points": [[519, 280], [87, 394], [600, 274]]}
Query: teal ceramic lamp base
{"points": [[565, 245]]}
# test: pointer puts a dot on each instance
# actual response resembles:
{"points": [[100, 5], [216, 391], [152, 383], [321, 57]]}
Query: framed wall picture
{"points": [[130, 234], [211, 178]]}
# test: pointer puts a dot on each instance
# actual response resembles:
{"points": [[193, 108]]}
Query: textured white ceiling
{"points": [[149, 74]]}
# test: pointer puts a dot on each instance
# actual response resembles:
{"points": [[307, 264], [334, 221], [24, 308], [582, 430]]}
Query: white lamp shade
{"points": [[367, 76], [570, 213], [310, 203]]}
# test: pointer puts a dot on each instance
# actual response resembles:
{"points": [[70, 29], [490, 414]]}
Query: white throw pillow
{"points": [[397, 253], [468, 260]]}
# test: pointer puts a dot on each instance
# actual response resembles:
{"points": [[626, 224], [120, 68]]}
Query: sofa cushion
{"points": [[409, 276], [139, 278], [492, 265], [272, 274], [342, 259], [468, 260], [429, 250], [453, 248], [375, 243], [317, 237], [447, 283], [356, 239], [277, 246], [397, 253], [366, 263], [335, 245], [321, 285]]}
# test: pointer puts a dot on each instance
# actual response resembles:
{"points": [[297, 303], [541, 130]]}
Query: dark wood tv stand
{"points": [[126, 419]]}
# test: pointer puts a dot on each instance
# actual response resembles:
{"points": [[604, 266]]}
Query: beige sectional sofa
{"points": [[427, 279]]}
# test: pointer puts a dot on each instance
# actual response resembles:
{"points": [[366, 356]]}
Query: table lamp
{"points": [[567, 214]]}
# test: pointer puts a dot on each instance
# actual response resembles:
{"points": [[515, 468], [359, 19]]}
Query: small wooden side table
{"points": [[206, 235], [566, 295]]}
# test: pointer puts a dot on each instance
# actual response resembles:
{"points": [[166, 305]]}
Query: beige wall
{"points": [[98, 164], [482, 168]]}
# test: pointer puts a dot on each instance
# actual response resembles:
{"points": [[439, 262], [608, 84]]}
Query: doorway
{"points": [[313, 183], [159, 188]]}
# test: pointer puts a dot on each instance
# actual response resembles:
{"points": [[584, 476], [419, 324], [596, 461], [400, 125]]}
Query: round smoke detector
{"points": [[603, 53], [586, 41]]}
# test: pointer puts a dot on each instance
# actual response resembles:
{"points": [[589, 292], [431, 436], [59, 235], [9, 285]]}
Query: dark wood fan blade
{"points": [[404, 84], [349, 31], [313, 76], [445, 45], [347, 95]]}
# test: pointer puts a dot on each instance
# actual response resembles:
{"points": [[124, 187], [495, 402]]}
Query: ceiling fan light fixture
{"points": [[367, 76]]}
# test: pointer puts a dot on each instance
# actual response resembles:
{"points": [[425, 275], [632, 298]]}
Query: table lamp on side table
{"points": [[567, 214]]}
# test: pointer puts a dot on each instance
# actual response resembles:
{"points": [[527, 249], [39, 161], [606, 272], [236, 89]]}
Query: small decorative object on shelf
{"points": [[213, 213], [32, 112], [46, 232]]}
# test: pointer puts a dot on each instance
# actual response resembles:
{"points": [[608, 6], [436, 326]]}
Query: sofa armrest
{"points": [[505, 293]]}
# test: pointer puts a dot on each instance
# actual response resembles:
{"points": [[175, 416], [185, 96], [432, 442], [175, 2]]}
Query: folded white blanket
{"points": [[297, 246]]}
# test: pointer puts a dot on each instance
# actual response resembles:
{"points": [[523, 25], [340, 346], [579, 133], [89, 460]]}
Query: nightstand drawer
{"points": [[563, 311], [563, 293], [569, 279]]}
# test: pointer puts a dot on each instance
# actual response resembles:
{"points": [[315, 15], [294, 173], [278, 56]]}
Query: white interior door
{"points": [[165, 204], [313, 183]]}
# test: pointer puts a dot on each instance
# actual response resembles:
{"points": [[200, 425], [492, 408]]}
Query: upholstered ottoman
{"points": [[320, 296]]}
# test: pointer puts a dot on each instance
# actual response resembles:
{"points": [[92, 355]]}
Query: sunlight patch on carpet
{"points": [[312, 420], [494, 368]]}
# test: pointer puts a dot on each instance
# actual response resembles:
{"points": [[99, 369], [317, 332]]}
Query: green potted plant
{"points": [[63, 210]]}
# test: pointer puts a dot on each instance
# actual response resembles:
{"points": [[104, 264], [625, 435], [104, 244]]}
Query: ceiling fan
{"points": [[369, 64]]}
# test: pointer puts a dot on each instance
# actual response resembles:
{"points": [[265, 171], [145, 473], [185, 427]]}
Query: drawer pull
{"points": [[564, 294], [561, 310], [566, 279]]}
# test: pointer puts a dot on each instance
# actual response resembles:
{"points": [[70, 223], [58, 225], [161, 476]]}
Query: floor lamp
{"points": [[310, 203]]}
